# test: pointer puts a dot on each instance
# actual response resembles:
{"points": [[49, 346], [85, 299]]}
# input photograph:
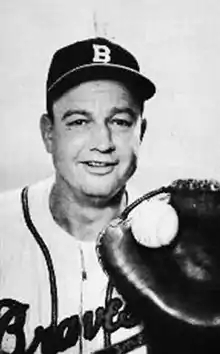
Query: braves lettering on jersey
{"points": [[54, 296]]}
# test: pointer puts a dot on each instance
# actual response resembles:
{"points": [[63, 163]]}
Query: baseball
{"points": [[154, 223]]}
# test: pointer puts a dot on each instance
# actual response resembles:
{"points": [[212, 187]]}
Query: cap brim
{"points": [[142, 86]]}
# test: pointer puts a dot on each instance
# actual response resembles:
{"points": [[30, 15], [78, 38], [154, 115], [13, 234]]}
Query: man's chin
{"points": [[102, 197], [99, 195]]}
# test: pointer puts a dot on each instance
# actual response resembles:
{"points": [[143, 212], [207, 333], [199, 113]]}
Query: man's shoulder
{"points": [[11, 225], [11, 201]]}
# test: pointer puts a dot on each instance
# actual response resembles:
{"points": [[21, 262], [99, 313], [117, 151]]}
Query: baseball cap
{"points": [[93, 59]]}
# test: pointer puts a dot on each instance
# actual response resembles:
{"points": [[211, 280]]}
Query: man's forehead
{"points": [[101, 85], [96, 106], [107, 90]]}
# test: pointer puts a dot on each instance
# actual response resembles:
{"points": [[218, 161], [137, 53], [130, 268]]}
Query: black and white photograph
{"points": [[109, 177]]}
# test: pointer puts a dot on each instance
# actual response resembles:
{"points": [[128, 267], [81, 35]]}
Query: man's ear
{"points": [[46, 127], [143, 128]]}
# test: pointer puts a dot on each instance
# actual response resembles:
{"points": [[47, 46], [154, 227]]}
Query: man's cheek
{"points": [[136, 147], [63, 149], [132, 147], [60, 156]]}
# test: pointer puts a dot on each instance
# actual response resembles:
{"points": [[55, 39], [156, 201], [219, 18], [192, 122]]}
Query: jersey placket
{"points": [[83, 278]]}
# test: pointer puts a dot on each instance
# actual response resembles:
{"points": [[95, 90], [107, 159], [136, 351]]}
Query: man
{"points": [[54, 294]]}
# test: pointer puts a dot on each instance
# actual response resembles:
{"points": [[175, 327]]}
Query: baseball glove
{"points": [[173, 289]]}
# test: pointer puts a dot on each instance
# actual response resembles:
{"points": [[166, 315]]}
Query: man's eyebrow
{"points": [[113, 111], [70, 112], [127, 110]]}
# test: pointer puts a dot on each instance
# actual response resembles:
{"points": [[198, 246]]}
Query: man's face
{"points": [[95, 137]]}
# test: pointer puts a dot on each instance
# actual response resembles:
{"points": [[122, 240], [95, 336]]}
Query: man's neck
{"points": [[85, 220]]}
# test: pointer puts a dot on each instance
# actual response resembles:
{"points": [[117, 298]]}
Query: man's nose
{"points": [[101, 138]]}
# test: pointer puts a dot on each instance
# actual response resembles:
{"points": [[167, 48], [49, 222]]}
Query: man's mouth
{"points": [[100, 163], [100, 168]]}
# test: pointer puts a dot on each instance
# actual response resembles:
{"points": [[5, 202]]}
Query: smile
{"points": [[100, 167], [100, 163]]}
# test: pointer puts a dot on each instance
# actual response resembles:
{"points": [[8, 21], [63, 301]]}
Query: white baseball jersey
{"points": [[54, 295]]}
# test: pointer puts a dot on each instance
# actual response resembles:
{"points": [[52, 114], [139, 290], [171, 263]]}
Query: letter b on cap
{"points": [[101, 53]]}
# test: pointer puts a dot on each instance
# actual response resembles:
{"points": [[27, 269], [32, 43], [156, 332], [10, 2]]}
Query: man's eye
{"points": [[76, 122], [121, 122]]}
